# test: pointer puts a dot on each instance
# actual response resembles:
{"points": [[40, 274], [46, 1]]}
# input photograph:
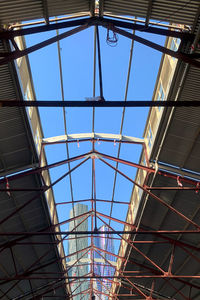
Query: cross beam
{"points": [[107, 103]]}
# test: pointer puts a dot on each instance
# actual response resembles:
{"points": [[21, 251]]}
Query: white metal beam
{"points": [[79, 136]]}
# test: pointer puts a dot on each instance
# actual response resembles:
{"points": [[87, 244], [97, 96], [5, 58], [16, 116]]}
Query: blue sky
{"points": [[77, 64]]}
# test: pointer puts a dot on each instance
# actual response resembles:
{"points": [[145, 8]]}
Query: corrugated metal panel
{"points": [[6, 83], [59, 7], [180, 138], [23, 10], [20, 10], [16, 153], [33, 217], [181, 145], [155, 217], [180, 12], [14, 142], [191, 89], [132, 8]]}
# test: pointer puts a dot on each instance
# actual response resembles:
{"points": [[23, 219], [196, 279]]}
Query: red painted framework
{"points": [[155, 272]]}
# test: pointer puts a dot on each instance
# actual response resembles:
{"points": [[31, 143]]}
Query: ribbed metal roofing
{"points": [[182, 133], [17, 152], [15, 142], [128, 8], [181, 148], [23, 10], [158, 217], [59, 7], [180, 12], [6, 83], [34, 217], [182, 145]]}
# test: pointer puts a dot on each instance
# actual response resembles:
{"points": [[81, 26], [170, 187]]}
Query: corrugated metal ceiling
{"points": [[181, 148], [182, 144], [23, 10], [17, 152], [15, 139], [180, 12], [173, 11], [158, 217]]}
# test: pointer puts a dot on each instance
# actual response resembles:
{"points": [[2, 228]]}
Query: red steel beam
{"points": [[107, 252], [128, 295], [55, 296], [177, 290], [105, 294], [79, 285], [100, 277], [76, 252], [106, 288], [17, 241], [126, 162], [171, 260], [39, 290], [87, 236], [154, 196], [116, 220], [125, 277], [39, 233], [191, 254], [87, 214], [136, 288], [94, 193], [172, 188], [174, 242], [80, 293], [76, 261], [93, 225], [160, 232], [35, 197], [150, 170], [156, 272], [44, 168], [119, 283], [51, 289], [75, 278], [170, 241], [149, 242], [137, 250], [181, 244], [28, 270]]}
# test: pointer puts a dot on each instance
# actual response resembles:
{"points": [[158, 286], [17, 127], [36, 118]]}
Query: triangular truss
{"points": [[93, 256]]}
